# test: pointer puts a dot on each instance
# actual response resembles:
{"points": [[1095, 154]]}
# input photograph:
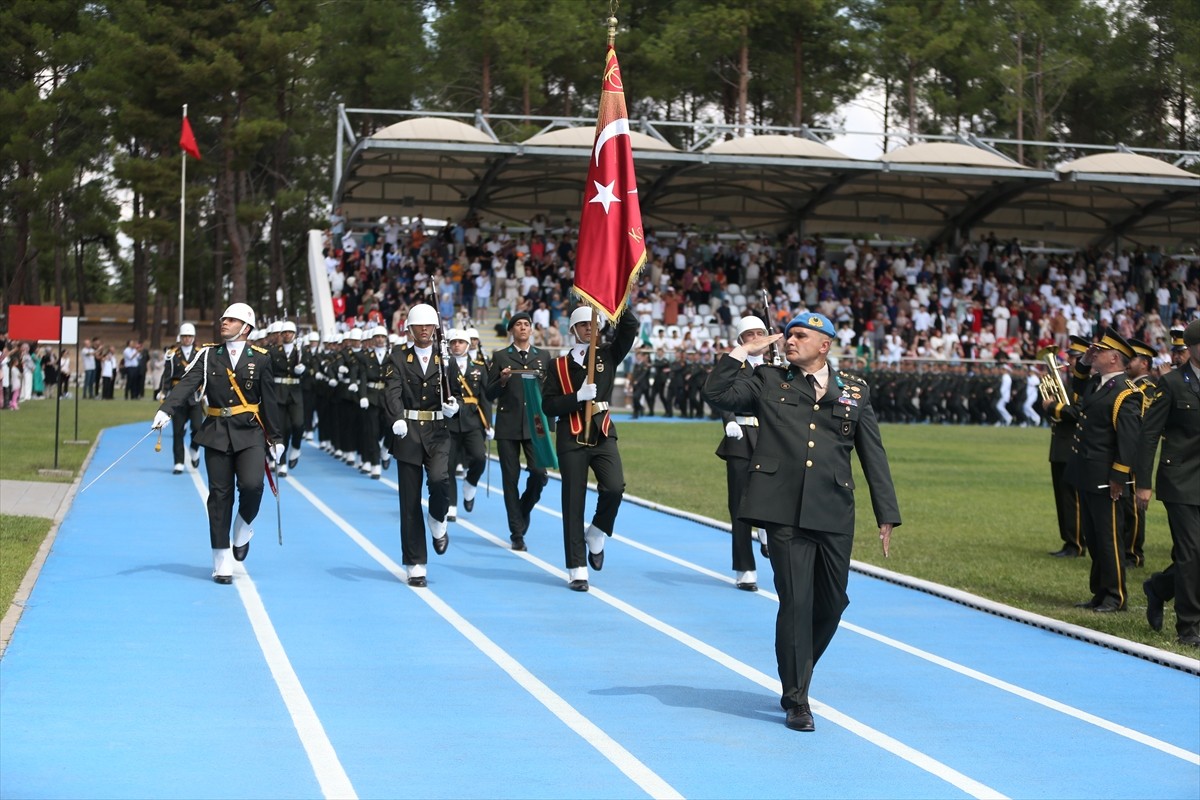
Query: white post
{"points": [[182, 213]]}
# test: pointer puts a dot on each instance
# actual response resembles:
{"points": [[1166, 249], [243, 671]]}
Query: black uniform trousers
{"points": [[811, 571], [368, 433], [248, 468], [1103, 533], [348, 424], [1066, 503], [659, 392], [291, 414], [1134, 527], [518, 505], [413, 547], [192, 413], [1181, 581], [469, 449], [639, 396], [604, 460], [737, 475]]}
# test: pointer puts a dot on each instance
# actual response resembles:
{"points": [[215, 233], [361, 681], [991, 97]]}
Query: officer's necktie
{"points": [[523, 355], [812, 381]]}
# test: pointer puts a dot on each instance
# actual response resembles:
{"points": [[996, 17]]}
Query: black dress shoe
{"points": [[1154, 606], [440, 545], [518, 543], [578, 586], [451, 518], [596, 560], [241, 551], [800, 718], [748, 587], [418, 581], [1108, 607], [469, 505], [292, 462], [1067, 552], [225, 579], [1191, 640], [1088, 603], [766, 551]]}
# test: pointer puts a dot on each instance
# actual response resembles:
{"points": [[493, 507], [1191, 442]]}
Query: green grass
{"points": [[976, 503], [20, 538]]}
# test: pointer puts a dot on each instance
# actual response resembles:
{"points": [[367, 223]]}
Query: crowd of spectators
{"points": [[36, 373], [988, 300]]}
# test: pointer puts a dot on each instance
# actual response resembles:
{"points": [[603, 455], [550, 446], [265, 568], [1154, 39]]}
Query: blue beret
{"points": [[814, 322]]}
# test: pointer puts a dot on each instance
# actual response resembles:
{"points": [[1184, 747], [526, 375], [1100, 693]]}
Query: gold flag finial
{"points": [[613, 5]]}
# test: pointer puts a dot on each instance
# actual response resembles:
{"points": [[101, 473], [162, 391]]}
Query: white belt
{"points": [[380, 385], [288, 381], [749, 421], [423, 416]]}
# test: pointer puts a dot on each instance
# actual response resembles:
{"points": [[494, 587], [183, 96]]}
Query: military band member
{"points": [[374, 423], [1101, 463], [1138, 372], [175, 366], [470, 430], [736, 449], [287, 366], [1179, 350], [513, 436], [420, 442], [567, 395], [811, 418], [1062, 435], [234, 379], [1174, 417]]}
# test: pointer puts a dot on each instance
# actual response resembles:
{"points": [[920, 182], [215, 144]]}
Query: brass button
{"points": [[758, 466], [782, 399], [812, 426], [812, 444], [808, 463], [816, 407]]}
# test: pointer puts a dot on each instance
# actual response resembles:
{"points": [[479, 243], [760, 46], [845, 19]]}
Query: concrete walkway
{"points": [[32, 498]]}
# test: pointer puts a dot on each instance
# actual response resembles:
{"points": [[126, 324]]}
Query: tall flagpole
{"points": [[182, 214]]}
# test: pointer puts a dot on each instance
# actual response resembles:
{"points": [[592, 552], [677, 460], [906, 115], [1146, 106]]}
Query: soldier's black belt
{"points": [[249, 408], [424, 416]]}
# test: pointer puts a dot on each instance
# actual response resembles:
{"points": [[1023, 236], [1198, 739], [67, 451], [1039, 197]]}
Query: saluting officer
{"points": [[736, 449], [472, 428], [1174, 417], [1138, 372], [567, 395], [811, 418], [287, 365], [512, 432], [235, 380], [421, 443], [1102, 461], [1063, 418], [176, 365]]}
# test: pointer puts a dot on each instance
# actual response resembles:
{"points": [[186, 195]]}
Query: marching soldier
{"points": [[1101, 463], [1062, 435], [736, 450], [420, 441], [470, 430], [310, 358], [1138, 372], [325, 394], [234, 379], [177, 361], [811, 418], [375, 424], [351, 395], [567, 395], [661, 379], [287, 366], [1174, 417], [512, 432], [637, 384]]}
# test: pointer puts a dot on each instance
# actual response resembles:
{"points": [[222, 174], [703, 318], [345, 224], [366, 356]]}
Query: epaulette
{"points": [[849, 376], [170, 352], [209, 344], [258, 349]]}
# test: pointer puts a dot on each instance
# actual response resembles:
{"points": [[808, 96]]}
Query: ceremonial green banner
{"points": [[539, 427]]}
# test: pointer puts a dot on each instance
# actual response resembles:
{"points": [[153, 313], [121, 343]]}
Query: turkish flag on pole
{"points": [[611, 247], [187, 140]]}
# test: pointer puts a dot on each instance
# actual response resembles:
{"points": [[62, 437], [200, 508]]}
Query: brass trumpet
{"points": [[1051, 385]]}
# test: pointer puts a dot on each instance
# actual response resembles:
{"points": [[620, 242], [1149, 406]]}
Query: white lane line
{"points": [[982, 677], [649, 781], [324, 759]]}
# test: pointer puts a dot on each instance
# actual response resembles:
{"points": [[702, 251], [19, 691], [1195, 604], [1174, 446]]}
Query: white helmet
{"points": [[187, 329], [457, 335], [473, 333], [354, 334], [274, 327], [313, 336], [334, 338], [584, 314], [240, 312], [287, 327], [422, 314], [377, 330], [394, 338], [749, 324]]}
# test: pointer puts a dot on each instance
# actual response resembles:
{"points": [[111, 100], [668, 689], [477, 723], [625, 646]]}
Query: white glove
{"points": [[490, 434], [353, 387], [299, 369], [277, 451], [400, 428], [343, 369], [450, 408], [586, 392], [332, 382], [160, 397], [733, 430], [319, 376], [362, 402], [161, 418]]}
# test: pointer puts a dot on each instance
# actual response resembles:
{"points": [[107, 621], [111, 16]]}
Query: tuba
{"points": [[1051, 386]]}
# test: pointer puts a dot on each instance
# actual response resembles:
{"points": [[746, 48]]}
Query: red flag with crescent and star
{"points": [[612, 247]]}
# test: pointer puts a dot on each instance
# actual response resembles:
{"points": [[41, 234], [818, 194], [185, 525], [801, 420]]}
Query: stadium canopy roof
{"points": [[940, 190]]}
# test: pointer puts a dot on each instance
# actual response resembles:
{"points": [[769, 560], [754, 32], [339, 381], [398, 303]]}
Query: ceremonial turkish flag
{"points": [[611, 247], [187, 140]]}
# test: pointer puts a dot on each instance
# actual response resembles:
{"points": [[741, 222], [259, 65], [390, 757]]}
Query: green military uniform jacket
{"points": [[1174, 409]]}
